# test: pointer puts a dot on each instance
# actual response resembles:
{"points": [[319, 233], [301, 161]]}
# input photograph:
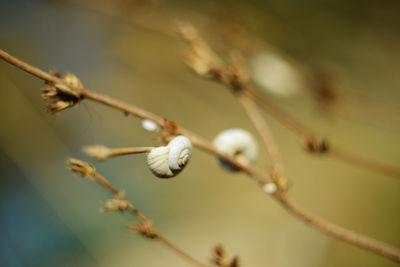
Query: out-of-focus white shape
{"points": [[275, 74], [237, 143], [270, 188], [150, 125]]}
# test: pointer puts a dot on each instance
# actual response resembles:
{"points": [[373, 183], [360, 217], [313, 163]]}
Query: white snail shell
{"points": [[237, 143], [167, 161]]}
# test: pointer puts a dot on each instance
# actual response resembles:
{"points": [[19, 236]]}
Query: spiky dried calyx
{"points": [[82, 168], [63, 94]]}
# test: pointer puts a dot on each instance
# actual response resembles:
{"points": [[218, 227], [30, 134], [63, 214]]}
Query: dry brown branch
{"points": [[200, 54], [100, 152], [324, 226], [236, 78], [315, 145], [119, 203]]}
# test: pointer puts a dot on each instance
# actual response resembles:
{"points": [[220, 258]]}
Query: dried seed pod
{"points": [[168, 161], [236, 143]]}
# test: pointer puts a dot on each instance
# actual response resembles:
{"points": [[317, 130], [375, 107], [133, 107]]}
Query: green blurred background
{"points": [[128, 50]]}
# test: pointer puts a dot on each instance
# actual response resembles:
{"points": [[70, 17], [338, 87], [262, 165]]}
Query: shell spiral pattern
{"points": [[168, 161]]}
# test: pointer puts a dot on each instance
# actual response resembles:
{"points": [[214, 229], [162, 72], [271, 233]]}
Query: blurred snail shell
{"points": [[167, 161], [236, 143]]}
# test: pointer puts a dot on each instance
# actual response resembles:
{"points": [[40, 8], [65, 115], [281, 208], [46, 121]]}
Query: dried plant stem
{"points": [[340, 233], [336, 231], [263, 129], [364, 162], [285, 118], [182, 253], [204, 62], [100, 152], [129, 150], [306, 135], [149, 230], [329, 228]]}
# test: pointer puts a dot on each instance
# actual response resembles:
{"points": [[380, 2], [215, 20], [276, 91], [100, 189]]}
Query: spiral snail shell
{"points": [[236, 143], [167, 161]]}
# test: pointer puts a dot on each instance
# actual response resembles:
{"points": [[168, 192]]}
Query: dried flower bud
{"points": [[64, 95], [98, 152], [49, 93], [81, 167], [313, 145], [199, 58], [279, 180], [221, 259], [113, 205], [146, 229], [198, 65], [59, 105], [72, 80]]}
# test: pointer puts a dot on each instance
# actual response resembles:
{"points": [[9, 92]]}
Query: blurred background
{"points": [[332, 64]]}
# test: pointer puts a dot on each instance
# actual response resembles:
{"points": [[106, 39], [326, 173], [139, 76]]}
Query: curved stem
{"points": [[135, 212], [182, 253], [304, 133], [338, 232], [365, 162]]}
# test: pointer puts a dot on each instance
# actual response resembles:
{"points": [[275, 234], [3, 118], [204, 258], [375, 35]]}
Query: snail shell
{"points": [[167, 161], [236, 143]]}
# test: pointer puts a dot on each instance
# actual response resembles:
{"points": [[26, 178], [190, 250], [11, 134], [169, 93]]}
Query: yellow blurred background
{"points": [[129, 51]]}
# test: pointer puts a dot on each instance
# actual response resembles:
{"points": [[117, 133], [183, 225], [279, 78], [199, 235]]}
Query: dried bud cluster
{"points": [[116, 204], [221, 259], [98, 152], [146, 229], [81, 167], [313, 145], [199, 58], [63, 96], [280, 182]]}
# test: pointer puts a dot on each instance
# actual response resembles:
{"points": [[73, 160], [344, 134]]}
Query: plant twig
{"points": [[339, 232], [145, 228], [203, 61], [236, 79], [100, 152], [306, 135]]}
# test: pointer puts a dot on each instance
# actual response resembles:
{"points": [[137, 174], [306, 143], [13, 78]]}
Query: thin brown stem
{"points": [[236, 78], [305, 134], [376, 247], [264, 131], [147, 228], [129, 150], [367, 163], [339, 232], [285, 118], [182, 253], [100, 152], [320, 224]]}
